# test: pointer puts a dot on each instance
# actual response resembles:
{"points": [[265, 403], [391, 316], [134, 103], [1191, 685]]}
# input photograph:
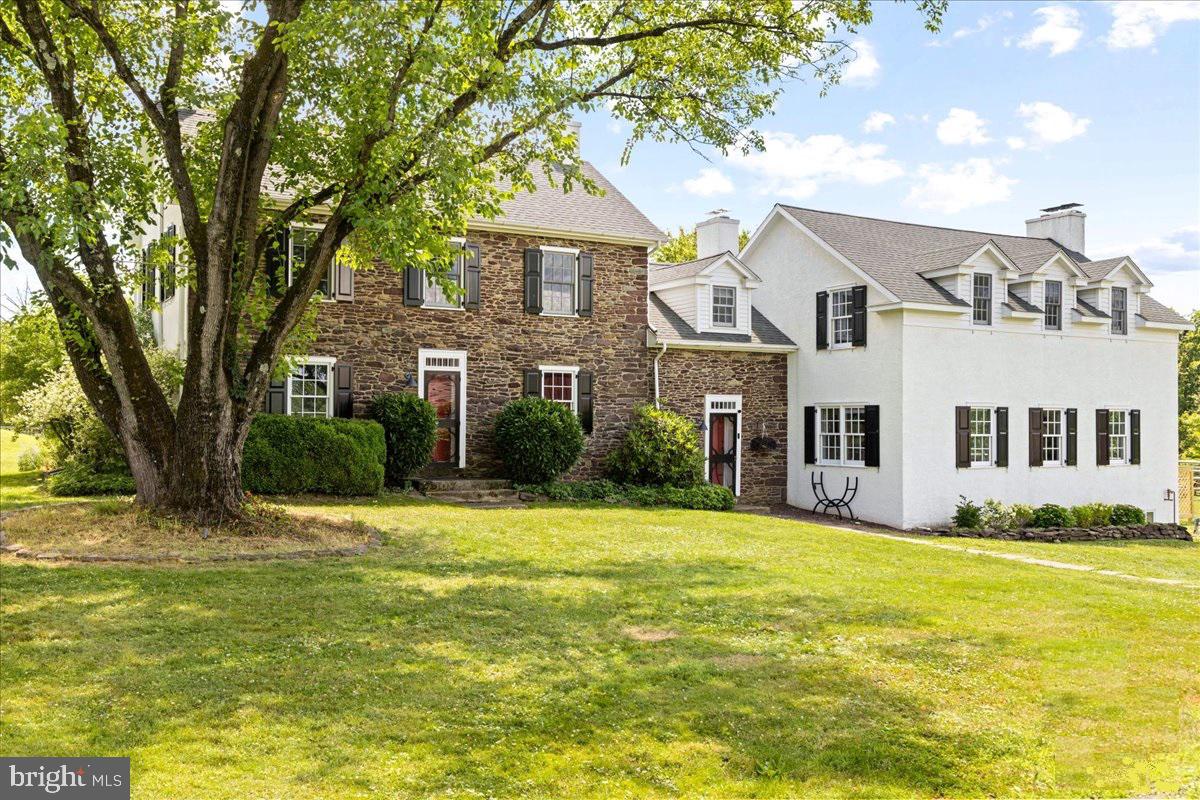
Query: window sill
{"points": [[442, 308], [559, 316], [843, 346], [843, 465]]}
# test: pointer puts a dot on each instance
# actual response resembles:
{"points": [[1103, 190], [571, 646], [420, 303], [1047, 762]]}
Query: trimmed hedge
{"points": [[538, 439], [704, 496], [1051, 515], [1123, 514], [79, 480], [293, 455], [661, 448], [410, 429]]}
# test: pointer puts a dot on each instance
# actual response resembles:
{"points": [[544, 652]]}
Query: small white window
{"points": [[310, 389], [724, 306], [843, 435], [558, 282], [435, 296], [1118, 436], [560, 385], [1053, 306], [1052, 437], [1120, 315], [982, 443], [841, 317], [981, 297]]}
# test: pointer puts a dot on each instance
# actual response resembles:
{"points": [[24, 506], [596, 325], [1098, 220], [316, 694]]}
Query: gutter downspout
{"points": [[661, 353]]}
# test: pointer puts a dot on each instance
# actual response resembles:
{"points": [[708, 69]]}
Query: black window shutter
{"points": [[810, 434], [871, 422], [859, 318], [169, 277], [343, 281], [586, 269], [822, 320], [1072, 423], [343, 391], [414, 286], [275, 400], [533, 281], [1001, 437], [533, 383], [147, 274], [962, 436], [1135, 436], [585, 401], [276, 263], [1102, 437], [1035, 437], [472, 264]]}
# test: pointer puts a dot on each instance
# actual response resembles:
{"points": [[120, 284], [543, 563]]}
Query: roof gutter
{"points": [[661, 353]]}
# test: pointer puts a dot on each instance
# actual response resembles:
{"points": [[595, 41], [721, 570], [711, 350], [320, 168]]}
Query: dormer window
{"points": [[981, 299], [724, 306], [1053, 305], [1120, 315]]}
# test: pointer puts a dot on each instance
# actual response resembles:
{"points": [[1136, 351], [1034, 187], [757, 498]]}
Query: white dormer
{"points": [[712, 294]]}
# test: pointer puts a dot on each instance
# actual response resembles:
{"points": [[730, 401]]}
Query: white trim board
{"points": [[424, 355]]}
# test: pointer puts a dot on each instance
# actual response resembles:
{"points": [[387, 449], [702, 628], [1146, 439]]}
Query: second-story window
{"points": [[558, 283], [1053, 305], [981, 299], [841, 317], [302, 240], [435, 296], [1120, 314], [724, 306]]}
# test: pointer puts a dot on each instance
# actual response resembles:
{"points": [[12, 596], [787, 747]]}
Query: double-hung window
{"points": [[1052, 437], [1120, 313], [982, 439], [558, 282], [843, 435], [981, 299], [559, 384], [310, 389], [1053, 305], [302, 241], [841, 317], [436, 296], [1118, 436], [724, 306]]}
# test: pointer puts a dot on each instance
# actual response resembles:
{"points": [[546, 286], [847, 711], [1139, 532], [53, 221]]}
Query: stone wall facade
{"points": [[686, 376], [380, 337]]}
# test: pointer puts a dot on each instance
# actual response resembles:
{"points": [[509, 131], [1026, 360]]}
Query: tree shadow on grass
{"points": [[497, 676]]}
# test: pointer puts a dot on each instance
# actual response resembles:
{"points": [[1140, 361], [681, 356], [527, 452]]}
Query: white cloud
{"points": [[709, 182], [1051, 124], [1060, 30], [1175, 251], [1015, 143], [1139, 24], [864, 69], [877, 121], [795, 168], [962, 126], [967, 184], [985, 22]]}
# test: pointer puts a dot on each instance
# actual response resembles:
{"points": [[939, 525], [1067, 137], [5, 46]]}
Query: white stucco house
{"points": [[935, 362]]}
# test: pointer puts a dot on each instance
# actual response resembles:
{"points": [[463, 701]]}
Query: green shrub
{"points": [[1022, 515], [1092, 515], [78, 480], [1051, 515], [410, 428], [30, 459], [290, 455], [996, 515], [704, 496], [1123, 514], [538, 439], [662, 448], [968, 515]]}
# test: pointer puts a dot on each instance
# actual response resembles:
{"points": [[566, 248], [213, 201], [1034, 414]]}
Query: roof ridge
{"points": [[922, 225]]}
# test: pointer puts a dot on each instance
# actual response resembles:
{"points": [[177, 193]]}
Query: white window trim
{"points": [[710, 403], [991, 300], [328, 361], [329, 278], [1062, 437], [991, 462], [842, 461], [574, 371], [462, 283], [1128, 437], [547, 248], [712, 300], [1062, 304], [833, 345], [1127, 311], [423, 357]]}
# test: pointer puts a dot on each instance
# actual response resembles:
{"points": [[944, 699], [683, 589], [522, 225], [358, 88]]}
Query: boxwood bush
{"points": [[662, 448], [410, 430], [1092, 515], [1124, 514], [291, 455], [1051, 515], [537, 439]]}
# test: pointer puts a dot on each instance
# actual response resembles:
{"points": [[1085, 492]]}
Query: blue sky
{"points": [[1011, 108]]}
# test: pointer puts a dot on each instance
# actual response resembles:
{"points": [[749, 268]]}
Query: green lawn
{"points": [[607, 652]]}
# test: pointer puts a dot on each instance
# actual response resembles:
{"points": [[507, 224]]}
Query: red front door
{"points": [[722, 450], [441, 390]]}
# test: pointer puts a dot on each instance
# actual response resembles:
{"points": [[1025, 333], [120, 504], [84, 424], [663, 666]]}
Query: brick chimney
{"points": [[1063, 224]]}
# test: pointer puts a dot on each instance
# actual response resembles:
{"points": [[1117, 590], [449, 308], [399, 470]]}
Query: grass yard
{"points": [[608, 652]]}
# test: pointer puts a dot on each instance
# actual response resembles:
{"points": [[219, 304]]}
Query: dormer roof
{"points": [[660, 274]]}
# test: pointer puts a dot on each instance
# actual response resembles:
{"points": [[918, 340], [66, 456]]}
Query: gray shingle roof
{"points": [[1018, 303], [894, 253], [661, 273], [1089, 310], [1154, 311], [1098, 269], [672, 327]]}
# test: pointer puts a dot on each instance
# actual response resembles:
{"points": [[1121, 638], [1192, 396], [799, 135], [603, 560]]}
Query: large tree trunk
{"points": [[203, 480]]}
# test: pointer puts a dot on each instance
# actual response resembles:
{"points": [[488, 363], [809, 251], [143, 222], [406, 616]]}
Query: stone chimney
{"points": [[1063, 224], [716, 235]]}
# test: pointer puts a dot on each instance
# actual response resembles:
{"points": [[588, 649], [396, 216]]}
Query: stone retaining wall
{"points": [[1153, 530]]}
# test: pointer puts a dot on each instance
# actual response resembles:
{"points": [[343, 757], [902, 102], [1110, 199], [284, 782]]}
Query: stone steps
{"points": [[475, 496], [459, 485], [473, 492]]}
